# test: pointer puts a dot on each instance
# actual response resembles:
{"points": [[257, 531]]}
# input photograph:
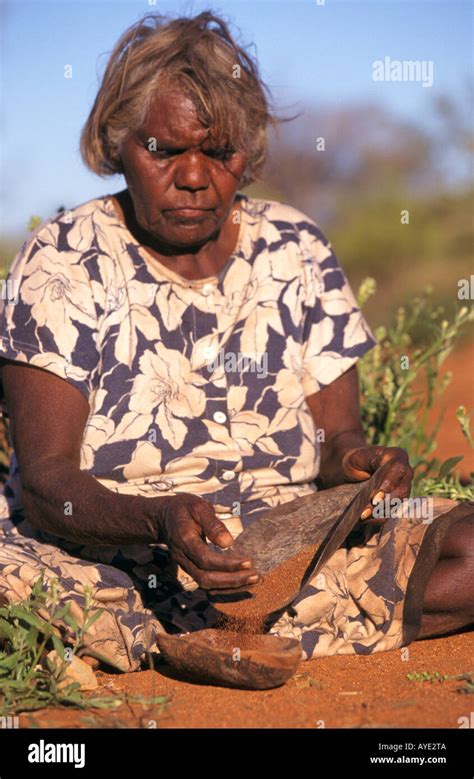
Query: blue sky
{"points": [[309, 55]]}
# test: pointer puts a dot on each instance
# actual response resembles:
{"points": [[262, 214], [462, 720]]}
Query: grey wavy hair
{"points": [[200, 56]]}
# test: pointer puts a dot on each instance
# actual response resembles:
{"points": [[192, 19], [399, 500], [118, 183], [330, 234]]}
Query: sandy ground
{"points": [[332, 692]]}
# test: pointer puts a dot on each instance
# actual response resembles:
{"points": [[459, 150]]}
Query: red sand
{"points": [[341, 692], [273, 591]]}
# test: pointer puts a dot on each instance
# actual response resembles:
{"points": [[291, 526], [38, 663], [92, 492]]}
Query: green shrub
{"points": [[400, 383], [28, 679]]}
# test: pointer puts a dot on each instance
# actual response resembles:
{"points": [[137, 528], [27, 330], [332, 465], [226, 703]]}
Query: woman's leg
{"points": [[449, 596], [369, 596], [124, 631]]}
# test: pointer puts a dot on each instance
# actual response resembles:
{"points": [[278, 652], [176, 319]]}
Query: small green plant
{"points": [[400, 382], [468, 688], [427, 676], [28, 679], [34, 222]]}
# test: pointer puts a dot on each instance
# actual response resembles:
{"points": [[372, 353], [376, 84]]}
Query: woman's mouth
{"points": [[189, 212]]}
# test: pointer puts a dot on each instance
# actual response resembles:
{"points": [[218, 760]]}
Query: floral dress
{"points": [[198, 387]]}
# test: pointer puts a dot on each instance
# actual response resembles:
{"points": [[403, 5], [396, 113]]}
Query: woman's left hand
{"points": [[360, 463]]}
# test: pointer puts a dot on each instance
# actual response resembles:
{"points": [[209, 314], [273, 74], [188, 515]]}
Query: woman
{"points": [[135, 435]]}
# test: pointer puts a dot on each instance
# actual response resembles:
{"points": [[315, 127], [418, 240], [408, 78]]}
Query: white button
{"points": [[228, 475], [220, 417], [207, 289]]}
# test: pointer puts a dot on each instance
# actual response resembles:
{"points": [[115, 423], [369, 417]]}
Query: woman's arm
{"points": [[47, 416], [345, 454], [47, 421], [335, 410]]}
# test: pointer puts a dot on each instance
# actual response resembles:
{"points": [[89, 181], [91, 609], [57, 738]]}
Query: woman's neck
{"points": [[194, 263]]}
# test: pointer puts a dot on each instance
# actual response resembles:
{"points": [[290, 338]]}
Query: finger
{"points": [[362, 462], [206, 558], [367, 512], [355, 461], [388, 508], [215, 530], [210, 580], [397, 482], [402, 491], [375, 513], [398, 477]]}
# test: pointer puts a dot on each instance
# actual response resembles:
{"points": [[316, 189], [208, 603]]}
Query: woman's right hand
{"points": [[185, 520]]}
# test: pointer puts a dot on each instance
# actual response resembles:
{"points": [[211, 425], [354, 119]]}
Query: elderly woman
{"points": [[181, 358]]}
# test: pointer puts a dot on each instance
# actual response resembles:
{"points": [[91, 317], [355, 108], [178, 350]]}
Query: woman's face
{"points": [[170, 164]]}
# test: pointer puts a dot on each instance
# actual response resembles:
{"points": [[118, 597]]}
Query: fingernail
{"points": [[378, 497], [247, 564], [366, 513], [252, 579]]}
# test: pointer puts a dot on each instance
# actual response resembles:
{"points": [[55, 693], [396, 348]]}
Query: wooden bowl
{"points": [[222, 657]]}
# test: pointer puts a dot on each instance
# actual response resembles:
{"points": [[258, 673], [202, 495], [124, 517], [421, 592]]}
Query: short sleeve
{"points": [[335, 332], [47, 313]]}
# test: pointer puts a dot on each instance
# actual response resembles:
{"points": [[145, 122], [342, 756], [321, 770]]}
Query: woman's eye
{"points": [[216, 154], [220, 154], [162, 153]]}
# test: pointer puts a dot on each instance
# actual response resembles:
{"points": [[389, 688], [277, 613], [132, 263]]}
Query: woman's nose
{"points": [[192, 171]]}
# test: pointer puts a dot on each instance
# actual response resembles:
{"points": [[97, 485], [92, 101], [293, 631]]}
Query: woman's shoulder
{"points": [[73, 228], [284, 218], [79, 230], [70, 243]]}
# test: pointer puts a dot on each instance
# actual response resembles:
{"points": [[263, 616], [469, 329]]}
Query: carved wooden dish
{"points": [[222, 657]]}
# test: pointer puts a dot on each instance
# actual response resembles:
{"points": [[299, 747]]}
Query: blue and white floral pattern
{"points": [[201, 387], [150, 350]]}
